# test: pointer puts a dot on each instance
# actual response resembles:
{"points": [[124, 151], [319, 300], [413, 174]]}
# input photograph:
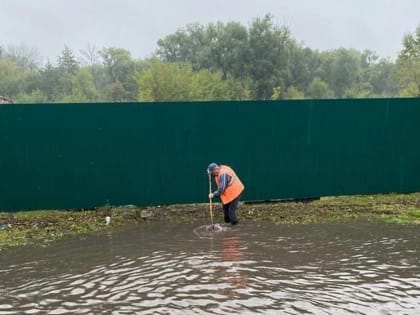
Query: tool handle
{"points": [[210, 202]]}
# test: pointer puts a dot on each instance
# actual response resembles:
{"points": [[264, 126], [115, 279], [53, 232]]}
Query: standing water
{"points": [[247, 269]]}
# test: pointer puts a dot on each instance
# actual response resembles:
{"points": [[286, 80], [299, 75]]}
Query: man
{"points": [[229, 189]]}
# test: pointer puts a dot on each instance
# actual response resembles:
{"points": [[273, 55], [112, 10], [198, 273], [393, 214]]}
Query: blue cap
{"points": [[212, 167]]}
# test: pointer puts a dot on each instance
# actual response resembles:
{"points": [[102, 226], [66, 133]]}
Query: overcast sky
{"points": [[136, 25]]}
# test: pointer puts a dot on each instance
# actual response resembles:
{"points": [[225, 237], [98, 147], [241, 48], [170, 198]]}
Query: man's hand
{"points": [[211, 195]]}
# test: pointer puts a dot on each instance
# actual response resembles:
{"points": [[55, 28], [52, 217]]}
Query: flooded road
{"points": [[248, 269]]}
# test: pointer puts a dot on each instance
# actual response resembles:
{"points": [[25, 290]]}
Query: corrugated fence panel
{"points": [[61, 156]]}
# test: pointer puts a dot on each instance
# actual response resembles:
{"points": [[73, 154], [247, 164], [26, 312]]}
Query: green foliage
{"points": [[226, 61], [206, 85], [121, 70], [319, 89], [35, 96], [407, 72], [164, 81], [341, 69], [258, 55], [276, 93], [14, 81], [294, 93], [9, 78], [67, 62], [84, 85], [266, 57], [354, 93], [23, 57], [269, 54], [379, 76]]}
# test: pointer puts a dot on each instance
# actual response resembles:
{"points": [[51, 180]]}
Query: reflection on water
{"points": [[232, 252], [246, 269]]}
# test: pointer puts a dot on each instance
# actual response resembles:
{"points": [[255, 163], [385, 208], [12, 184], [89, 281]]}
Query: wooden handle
{"points": [[210, 202]]}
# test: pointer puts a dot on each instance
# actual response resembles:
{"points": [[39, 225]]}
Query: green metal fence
{"points": [[85, 155]]}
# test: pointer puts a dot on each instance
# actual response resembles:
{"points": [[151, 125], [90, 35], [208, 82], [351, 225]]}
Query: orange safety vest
{"points": [[233, 189]]}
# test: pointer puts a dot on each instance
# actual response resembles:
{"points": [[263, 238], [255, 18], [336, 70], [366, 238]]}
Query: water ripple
{"points": [[320, 269]]}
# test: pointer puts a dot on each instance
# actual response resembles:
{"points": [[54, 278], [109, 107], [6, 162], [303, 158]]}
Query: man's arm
{"points": [[224, 181]]}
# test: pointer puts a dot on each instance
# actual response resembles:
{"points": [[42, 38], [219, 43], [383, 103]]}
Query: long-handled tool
{"points": [[211, 204]]}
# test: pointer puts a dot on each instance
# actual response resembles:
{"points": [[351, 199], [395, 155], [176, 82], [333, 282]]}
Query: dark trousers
{"points": [[229, 211]]}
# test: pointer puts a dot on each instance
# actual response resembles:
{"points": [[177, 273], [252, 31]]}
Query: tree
{"points": [[380, 78], [84, 86], [302, 66], [215, 47], [226, 61], [164, 81], [121, 69], [10, 78], [67, 62], [228, 49], [25, 58], [407, 72], [258, 56], [55, 83], [35, 96], [294, 93], [91, 58], [116, 92], [319, 89], [192, 44], [341, 69], [270, 55]]}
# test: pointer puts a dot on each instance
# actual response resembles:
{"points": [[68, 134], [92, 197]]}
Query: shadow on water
{"points": [[185, 269]]}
